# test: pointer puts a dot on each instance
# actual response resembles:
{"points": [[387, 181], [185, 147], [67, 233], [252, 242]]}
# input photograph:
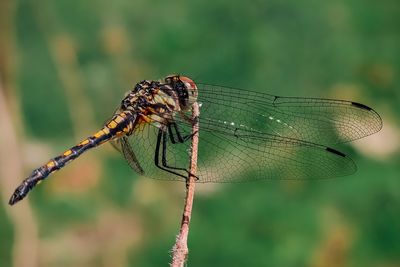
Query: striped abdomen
{"points": [[119, 125]]}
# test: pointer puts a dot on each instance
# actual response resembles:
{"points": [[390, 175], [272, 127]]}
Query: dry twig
{"points": [[180, 250]]}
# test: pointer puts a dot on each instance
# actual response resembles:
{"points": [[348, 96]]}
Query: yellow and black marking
{"points": [[149, 102], [119, 125]]}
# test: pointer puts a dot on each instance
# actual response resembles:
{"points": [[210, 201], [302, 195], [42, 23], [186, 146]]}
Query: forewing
{"points": [[320, 121]]}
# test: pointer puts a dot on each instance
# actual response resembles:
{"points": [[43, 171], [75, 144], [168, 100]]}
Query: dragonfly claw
{"points": [[192, 175]]}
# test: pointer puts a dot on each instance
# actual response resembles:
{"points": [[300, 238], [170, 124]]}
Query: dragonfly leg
{"points": [[171, 135], [181, 139], [164, 156], [157, 154]]}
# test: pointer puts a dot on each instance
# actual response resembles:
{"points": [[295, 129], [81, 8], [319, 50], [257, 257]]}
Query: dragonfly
{"points": [[243, 135]]}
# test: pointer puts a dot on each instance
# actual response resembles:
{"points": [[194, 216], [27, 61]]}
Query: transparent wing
{"points": [[246, 136], [143, 144], [123, 146], [257, 156], [321, 121], [240, 157]]}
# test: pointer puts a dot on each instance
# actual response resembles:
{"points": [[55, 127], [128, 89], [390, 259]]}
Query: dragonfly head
{"points": [[185, 88]]}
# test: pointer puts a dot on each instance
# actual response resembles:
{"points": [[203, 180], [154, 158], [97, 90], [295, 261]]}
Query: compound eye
{"points": [[189, 83]]}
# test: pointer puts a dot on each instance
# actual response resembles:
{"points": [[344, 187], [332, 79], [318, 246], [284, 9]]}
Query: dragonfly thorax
{"points": [[158, 101]]}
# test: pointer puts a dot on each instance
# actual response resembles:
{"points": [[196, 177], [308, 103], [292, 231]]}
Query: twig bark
{"points": [[180, 250]]}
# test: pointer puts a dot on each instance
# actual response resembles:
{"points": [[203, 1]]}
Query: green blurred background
{"points": [[64, 67]]}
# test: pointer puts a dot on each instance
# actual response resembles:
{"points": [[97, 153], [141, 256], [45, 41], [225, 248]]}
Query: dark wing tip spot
{"points": [[335, 152], [359, 105]]}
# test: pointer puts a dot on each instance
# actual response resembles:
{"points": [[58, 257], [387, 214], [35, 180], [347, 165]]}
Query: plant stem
{"points": [[180, 250]]}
